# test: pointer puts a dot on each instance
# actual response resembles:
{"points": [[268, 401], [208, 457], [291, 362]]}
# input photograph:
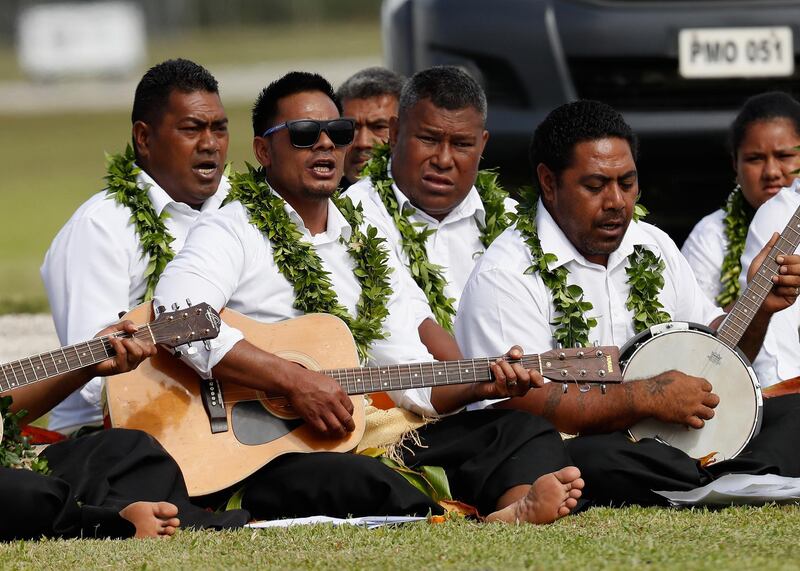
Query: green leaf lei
{"points": [[414, 235], [302, 267], [16, 451], [572, 326], [738, 215], [153, 234]]}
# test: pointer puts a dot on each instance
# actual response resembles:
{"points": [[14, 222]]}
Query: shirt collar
{"points": [[554, 241], [337, 227], [160, 199], [471, 206]]}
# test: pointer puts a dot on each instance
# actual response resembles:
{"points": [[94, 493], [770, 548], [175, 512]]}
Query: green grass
{"points": [[634, 538]]}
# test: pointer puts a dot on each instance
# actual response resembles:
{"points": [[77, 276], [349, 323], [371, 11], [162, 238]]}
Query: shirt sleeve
{"points": [[86, 273], [704, 251], [87, 276], [207, 269]]}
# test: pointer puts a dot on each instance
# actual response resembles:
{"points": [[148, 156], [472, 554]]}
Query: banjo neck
{"points": [[745, 308]]}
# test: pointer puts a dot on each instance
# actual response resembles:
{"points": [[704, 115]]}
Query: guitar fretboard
{"points": [[419, 375], [745, 308], [46, 365]]}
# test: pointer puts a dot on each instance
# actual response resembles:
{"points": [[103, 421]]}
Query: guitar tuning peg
{"points": [[160, 309], [207, 345], [120, 314], [191, 350], [559, 345], [603, 388], [175, 307], [564, 388], [584, 388], [188, 302], [595, 343]]}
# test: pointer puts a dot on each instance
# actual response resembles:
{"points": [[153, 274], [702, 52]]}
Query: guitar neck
{"points": [[438, 373], [745, 308], [47, 365]]}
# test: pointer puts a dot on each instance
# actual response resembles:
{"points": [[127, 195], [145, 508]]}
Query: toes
{"points": [[165, 510], [167, 531], [568, 475]]}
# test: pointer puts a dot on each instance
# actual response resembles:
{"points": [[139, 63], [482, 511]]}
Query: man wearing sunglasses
{"points": [[238, 257], [371, 97], [97, 265]]}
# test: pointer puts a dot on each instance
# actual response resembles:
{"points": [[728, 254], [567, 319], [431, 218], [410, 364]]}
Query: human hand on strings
{"points": [[510, 379], [786, 285], [129, 351], [322, 403]]}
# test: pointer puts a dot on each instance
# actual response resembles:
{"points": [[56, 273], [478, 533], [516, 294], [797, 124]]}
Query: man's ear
{"points": [[393, 126], [262, 151], [142, 132], [547, 182], [483, 141]]}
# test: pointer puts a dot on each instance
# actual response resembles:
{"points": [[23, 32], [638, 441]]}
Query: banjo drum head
{"points": [[675, 346]]}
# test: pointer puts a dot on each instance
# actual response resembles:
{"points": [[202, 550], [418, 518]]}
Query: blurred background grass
{"points": [[53, 162]]}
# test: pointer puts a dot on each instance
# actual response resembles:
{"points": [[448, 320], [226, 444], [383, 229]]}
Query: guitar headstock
{"points": [[195, 323], [583, 365]]}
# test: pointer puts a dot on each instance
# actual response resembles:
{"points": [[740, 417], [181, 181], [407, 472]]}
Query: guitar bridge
{"points": [[211, 391]]}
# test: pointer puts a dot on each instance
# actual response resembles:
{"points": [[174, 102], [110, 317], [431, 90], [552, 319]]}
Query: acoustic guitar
{"points": [[197, 323], [220, 434]]}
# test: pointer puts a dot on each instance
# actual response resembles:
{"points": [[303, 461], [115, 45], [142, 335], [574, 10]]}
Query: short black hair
{"points": [[763, 107], [448, 87], [371, 82], [555, 138], [155, 87], [265, 109]]}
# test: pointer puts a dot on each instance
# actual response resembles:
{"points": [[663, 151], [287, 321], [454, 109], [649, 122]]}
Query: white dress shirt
{"points": [[228, 262], [705, 249], [456, 243], [502, 305], [95, 269], [779, 358]]}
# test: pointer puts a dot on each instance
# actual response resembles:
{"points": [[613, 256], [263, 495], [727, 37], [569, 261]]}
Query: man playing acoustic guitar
{"points": [[283, 247], [576, 269]]}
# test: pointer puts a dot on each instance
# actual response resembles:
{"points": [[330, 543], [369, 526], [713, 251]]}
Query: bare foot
{"points": [[551, 497], [152, 519]]}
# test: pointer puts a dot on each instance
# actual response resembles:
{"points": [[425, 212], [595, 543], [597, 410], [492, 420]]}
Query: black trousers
{"points": [[619, 472], [484, 453], [93, 478]]}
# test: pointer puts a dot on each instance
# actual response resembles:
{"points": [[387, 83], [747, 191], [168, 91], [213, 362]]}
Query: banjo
{"points": [[715, 357]]}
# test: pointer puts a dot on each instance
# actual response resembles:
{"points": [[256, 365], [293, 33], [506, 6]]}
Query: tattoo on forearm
{"points": [[656, 385], [552, 401], [627, 391]]}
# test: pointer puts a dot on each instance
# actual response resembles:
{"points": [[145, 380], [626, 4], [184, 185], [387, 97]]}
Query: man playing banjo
{"points": [[576, 269]]}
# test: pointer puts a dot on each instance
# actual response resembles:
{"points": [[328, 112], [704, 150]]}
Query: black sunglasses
{"points": [[304, 133]]}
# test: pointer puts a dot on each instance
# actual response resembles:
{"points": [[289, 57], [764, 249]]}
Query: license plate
{"points": [[736, 52]]}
